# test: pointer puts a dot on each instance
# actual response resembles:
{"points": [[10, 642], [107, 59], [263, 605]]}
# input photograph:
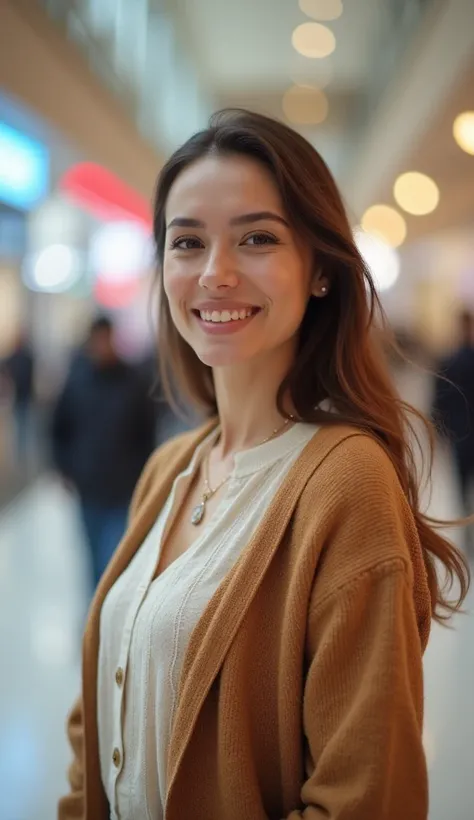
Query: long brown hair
{"points": [[338, 356]]}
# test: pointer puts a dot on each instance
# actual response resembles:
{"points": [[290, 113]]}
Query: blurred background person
{"points": [[102, 434], [18, 371], [453, 405]]}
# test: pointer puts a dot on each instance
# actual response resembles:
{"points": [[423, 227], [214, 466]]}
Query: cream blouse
{"points": [[146, 624]]}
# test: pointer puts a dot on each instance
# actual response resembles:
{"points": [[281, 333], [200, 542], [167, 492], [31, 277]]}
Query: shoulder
{"points": [[355, 464], [355, 509]]}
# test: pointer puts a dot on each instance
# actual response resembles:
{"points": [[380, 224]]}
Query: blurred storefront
{"points": [[24, 182], [74, 240]]}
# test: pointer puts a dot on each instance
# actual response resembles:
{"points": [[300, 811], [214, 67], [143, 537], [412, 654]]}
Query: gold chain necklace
{"points": [[199, 510]]}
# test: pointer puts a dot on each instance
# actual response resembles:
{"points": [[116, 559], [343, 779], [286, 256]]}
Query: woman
{"points": [[254, 650]]}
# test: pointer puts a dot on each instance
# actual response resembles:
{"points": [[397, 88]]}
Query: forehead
{"points": [[223, 183]]}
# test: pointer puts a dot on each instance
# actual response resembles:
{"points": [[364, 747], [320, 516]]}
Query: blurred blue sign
{"points": [[24, 169]]}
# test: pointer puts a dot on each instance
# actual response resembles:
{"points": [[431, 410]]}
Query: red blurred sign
{"points": [[104, 195]]}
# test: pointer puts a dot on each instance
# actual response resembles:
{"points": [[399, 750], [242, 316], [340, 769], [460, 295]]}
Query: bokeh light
{"points": [[463, 131], [382, 260], [54, 269], [386, 223], [416, 193], [322, 9], [305, 105], [120, 251], [313, 40]]}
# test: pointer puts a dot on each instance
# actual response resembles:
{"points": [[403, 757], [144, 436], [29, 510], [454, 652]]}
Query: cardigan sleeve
{"points": [[364, 732], [71, 806]]}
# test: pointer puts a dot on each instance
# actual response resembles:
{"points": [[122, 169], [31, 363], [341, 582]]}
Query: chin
{"points": [[224, 358]]}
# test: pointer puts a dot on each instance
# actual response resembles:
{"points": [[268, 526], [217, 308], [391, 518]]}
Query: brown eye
{"points": [[186, 243], [259, 239]]}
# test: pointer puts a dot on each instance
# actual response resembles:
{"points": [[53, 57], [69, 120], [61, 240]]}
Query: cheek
{"points": [[176, 288], [287, 288], [175, 283]]}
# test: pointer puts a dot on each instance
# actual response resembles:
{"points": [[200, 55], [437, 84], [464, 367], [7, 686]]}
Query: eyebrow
{"points": [[244, 219]]}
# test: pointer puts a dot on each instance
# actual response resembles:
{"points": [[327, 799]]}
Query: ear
{"points": [[320, 285]]}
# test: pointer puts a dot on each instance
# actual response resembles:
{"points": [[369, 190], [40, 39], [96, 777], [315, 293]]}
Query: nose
{"points": [[218, 271]]}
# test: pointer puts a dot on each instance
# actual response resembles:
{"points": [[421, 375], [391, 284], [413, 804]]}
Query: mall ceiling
{"points": [[244, 56], [437, 154]]}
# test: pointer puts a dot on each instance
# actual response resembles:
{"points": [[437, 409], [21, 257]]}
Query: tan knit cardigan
{"points": [[301, 694]]}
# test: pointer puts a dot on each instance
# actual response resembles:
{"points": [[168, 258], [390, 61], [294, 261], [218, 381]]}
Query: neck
{"points": [[246, 400]]}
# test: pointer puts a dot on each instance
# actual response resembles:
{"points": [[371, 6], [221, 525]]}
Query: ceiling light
{"points": [[382, 261], [313, 40], [386, 223], [322, 9], [463, 130], [305, 105], [416, 193]]}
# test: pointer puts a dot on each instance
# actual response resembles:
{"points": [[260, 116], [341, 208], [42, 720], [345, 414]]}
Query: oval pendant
{"points": [[198, 513]]}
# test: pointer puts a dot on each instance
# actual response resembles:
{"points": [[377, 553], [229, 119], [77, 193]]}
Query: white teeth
{"points": [[225, 315]]}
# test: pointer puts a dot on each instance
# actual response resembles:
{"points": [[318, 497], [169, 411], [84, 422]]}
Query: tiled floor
{"points": [[449, 691], [42, 599]]}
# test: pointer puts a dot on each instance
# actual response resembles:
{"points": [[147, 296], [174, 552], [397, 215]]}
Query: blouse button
{"points": [[116, 757], [119, 676]]}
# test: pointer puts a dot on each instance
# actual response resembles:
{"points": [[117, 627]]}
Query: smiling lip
{"points": [[224, 304], [222, 328]]}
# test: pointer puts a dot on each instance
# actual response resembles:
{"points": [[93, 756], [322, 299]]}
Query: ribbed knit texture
{"points": [[301, 693]]}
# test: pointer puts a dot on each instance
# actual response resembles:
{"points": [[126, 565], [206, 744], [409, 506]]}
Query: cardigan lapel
{"points": [[132, 540], [223, 617]]}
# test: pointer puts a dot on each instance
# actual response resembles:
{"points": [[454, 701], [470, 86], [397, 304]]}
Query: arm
{"points": [[368, 622], [364, 732], [71, 807]]}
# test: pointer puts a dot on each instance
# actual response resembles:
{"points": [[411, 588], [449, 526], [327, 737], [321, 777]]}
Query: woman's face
{"points": [[237, 278]]}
